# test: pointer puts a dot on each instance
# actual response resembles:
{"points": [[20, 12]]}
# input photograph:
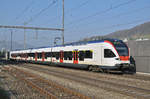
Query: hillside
{"points": [[140, 31]]}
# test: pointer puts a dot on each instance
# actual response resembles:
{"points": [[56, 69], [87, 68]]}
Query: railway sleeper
{"points": [[95, 69]]}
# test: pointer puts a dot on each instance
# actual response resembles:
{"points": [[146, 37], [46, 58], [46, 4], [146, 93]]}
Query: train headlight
{"points": [[117, 59]]}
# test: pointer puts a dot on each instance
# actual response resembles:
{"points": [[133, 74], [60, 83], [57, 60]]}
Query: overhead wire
{"points": [[79, 6], [40, 12], [123, 24], [128, 23], [25, 10], [121, 14], [73, 9], [101, 12], [51, 19]]}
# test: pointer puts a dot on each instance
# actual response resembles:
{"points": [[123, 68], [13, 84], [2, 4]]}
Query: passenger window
{"points": [[70, 55], [53, 54], [39, 55], [65, 55], [81, 55], [108, 53], [57, 55], [46, 55], [88, 54]]}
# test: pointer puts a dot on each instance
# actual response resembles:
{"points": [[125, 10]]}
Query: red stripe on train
{"points": [[123, 58]]}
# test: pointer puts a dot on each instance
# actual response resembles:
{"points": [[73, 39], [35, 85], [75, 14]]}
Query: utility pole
{"points": [[11, 39], [63, 25], [24, 38]]}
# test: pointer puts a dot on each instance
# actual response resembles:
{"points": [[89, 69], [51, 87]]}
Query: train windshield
{"points": [[121, 48]]}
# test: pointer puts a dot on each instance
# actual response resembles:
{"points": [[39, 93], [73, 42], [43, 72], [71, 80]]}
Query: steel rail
{"points": [[42, 91], [127, 90], [65, 90], [136, 76]]}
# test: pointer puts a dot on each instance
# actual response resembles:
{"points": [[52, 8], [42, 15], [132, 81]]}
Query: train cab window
{"points": [[88, 54], [108, 53], [81, 55]]}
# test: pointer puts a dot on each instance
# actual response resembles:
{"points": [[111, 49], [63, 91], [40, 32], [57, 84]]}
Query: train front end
{"points": [[122, 59]]}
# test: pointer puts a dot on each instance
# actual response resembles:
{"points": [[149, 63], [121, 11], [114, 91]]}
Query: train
{"points": [[101, 55]]}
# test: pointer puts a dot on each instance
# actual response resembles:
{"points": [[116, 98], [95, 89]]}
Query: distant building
{"points": [[125, 40], [142, 39]]}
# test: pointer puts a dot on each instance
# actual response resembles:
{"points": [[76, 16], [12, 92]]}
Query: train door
{"points": [[26, 56], [30, 55], [43, 56], [36, 56], [108, 57], [20, 57], [75, 57], [61, 56]]}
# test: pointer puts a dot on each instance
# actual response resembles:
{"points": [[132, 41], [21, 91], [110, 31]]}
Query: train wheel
{"points": [[94, 68], [105, 71], [90, 68]]}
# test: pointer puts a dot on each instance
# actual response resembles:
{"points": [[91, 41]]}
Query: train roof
{"points": [[88, 42], [74, 44]]}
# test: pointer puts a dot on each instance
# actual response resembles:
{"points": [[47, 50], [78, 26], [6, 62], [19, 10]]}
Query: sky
{"points": [[83, 18]]}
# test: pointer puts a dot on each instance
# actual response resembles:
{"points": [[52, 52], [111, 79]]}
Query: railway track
{"points": [[136, 76], [132, 76], [17, 88], [48, 88], [129, 79], [135, 92]]}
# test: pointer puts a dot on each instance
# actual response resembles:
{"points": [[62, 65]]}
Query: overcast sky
{"points": [[83, 18]]}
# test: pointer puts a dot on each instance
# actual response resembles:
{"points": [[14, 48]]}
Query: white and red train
{"points": [[108, 54]]}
